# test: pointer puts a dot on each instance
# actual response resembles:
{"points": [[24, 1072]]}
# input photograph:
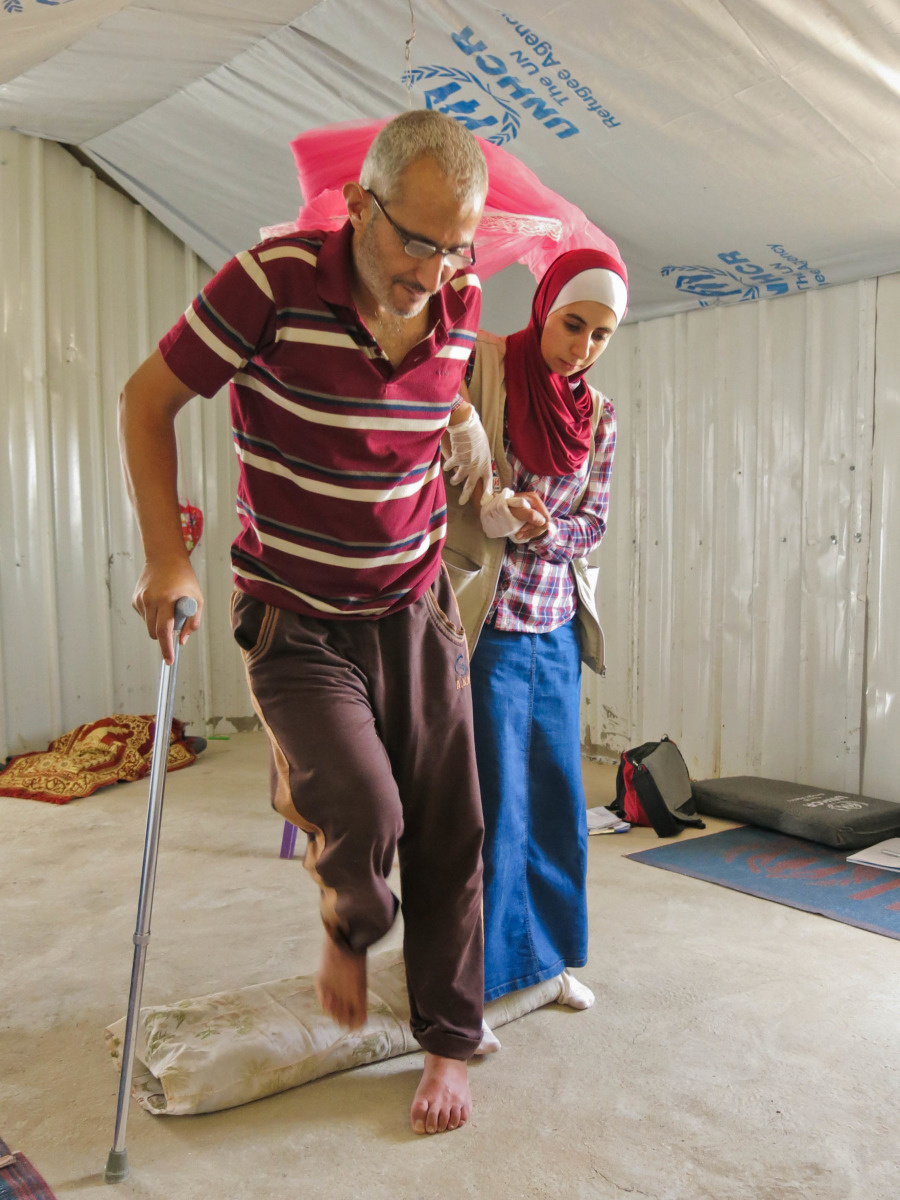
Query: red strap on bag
{"points": [[633, 809]]}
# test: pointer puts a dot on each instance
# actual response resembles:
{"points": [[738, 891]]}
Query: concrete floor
{"points": [[739, 1049]]}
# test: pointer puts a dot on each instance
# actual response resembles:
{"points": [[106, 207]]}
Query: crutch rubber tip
{"points": [[116, 1166]]}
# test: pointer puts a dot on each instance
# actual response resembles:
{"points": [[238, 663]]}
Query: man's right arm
{"points": [[148, 406]]}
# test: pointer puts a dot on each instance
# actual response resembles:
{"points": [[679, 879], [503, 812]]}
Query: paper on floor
{"points": [[885, 855], [601, 820]]}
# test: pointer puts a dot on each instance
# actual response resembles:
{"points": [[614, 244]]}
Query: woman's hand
{"points": [[538, 520], [520, 516]]}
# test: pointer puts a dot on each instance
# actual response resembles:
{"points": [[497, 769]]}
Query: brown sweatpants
{"points": [[371, 730]]}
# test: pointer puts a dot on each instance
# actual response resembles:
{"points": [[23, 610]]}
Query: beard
{"points": [[380, 284]]}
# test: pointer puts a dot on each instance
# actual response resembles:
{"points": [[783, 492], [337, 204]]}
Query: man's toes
{"points": [[418, 1113]]}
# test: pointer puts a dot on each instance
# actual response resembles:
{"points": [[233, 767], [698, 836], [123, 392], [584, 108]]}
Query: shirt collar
{"points": [[333, 268]]}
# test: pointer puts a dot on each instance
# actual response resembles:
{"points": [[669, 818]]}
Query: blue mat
{"points": [[789, 871]]}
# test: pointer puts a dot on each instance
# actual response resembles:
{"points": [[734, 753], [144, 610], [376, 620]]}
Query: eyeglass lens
{"points": [[419, 249], [416, 248]]}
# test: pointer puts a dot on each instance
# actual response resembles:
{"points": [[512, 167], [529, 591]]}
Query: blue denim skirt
{"points": [[526, 691]]}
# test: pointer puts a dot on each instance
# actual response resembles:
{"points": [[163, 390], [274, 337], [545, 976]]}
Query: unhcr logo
{"points": [[493, 97], [711, 283], [462, 95], [747, 280], [15, 6]]}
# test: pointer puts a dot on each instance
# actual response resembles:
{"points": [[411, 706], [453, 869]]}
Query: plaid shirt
{"points": [[536, 590]]}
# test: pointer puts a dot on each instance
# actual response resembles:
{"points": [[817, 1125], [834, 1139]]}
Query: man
{"points": [[345, 353]]}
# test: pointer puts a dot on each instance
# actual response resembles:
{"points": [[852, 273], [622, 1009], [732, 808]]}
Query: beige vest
{"points": [[473, 560]]}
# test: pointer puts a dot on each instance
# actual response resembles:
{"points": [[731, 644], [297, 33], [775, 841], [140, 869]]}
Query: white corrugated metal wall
{"points": [[89, 282], [881, 720], [746, 605]]}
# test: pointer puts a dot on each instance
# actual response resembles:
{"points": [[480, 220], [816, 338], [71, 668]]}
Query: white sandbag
{"points": [[227, 1048]]}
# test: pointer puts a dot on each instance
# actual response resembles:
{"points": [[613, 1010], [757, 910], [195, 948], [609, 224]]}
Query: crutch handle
{"points": [[184, 608]]}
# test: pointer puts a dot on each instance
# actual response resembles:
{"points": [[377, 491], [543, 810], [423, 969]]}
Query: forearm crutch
{"points": [[117, 1163]]}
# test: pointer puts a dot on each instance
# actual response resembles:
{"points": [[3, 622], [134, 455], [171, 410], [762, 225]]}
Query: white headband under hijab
{"points": [[597, 284]]}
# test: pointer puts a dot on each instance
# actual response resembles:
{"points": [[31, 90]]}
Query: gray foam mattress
{"points": [[841, 819]]}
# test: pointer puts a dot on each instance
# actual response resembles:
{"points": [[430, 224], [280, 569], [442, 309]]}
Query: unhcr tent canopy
{"points": [[734, 149]]}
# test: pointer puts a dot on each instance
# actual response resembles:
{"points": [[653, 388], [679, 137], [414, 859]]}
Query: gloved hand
{"points": [[504, 513], [470, 456]]}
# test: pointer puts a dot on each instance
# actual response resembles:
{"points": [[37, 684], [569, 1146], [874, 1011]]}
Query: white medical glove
{"points": [[470, 456], [504, 513]]}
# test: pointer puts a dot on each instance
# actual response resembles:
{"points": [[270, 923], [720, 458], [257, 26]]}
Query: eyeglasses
{"points": [[416, 247]]}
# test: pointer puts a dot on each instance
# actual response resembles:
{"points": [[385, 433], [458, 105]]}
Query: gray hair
{"points": [[420, 134]]}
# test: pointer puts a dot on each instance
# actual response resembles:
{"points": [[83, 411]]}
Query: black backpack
{"points": [[653, 787]]}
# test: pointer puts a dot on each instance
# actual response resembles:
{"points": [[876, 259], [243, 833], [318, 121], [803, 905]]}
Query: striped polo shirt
{"points": [[340, 493]]}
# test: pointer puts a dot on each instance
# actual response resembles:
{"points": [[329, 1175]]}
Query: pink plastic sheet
{"points": [[524, 221]]}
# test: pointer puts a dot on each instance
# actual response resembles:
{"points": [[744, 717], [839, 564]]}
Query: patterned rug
{"points": [[115, 749], [789, 871], [18, 1178]]}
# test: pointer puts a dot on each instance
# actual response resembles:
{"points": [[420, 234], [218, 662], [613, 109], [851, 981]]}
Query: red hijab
{"points": [[549, 415]]}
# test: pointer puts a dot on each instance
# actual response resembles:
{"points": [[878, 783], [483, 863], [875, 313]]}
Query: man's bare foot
{"points": [[341, 985], [442, 1099]]}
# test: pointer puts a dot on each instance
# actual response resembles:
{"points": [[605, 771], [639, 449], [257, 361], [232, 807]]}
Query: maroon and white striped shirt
{"points": [[340, 493]]}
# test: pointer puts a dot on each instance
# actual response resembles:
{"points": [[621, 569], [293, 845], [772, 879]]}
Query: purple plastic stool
{"points": [[288, 837]]}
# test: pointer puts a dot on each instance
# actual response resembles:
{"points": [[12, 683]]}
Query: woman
{"points": [[518, 564]]}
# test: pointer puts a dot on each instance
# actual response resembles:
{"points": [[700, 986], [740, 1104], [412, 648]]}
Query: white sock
{"points": [[489, 1043], [572, 993]]}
